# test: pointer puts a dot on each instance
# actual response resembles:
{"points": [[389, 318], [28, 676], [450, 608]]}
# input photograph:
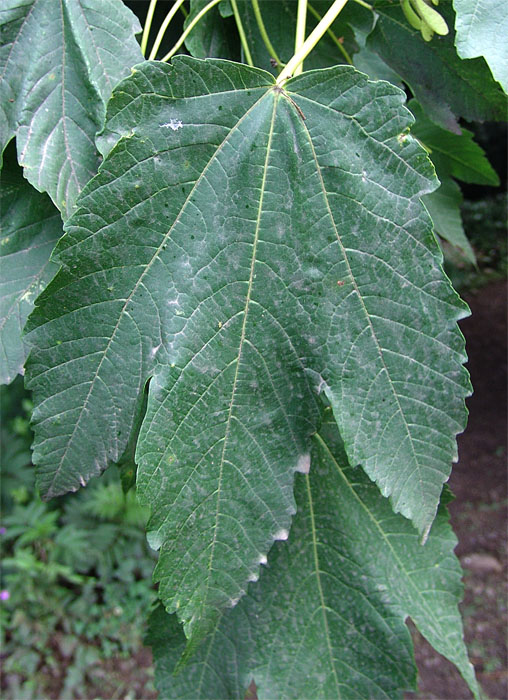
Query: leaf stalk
{"points": [[364, 4], [190, 27], [328, 19], [162, 29], [301, 19], [148, 25], [241, 32], [332, 36], [264, 34]]}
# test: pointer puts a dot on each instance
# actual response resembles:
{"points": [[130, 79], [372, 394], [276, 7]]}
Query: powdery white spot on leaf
{"points": [[154, 540], [281, 534], [303, 464], [173, 124]]}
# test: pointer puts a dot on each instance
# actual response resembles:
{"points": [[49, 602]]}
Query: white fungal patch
{"points": [[154, 539], [303, 464], [262, 559], [173, 124], [154, 350], [281, 534], [253, 577]]}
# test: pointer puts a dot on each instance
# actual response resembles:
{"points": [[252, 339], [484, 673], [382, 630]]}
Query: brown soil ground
{"points": [[479, 513]]}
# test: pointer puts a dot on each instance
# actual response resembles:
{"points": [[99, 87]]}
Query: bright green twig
{"points": [[148, 25], [189, 29], [313, 38], [163, 27], [264, 34], [241, 32], [301, 18], [332, 36]]}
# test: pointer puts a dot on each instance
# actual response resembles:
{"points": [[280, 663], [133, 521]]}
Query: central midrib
{"points": [[240, 347]]}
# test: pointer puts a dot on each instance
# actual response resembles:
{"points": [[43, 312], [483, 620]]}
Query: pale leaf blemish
{"points": [[82, 481], [253, 577], [281, 534], [262, 559], [303, 464], [173, 124], [154, 350], [154, 539]]}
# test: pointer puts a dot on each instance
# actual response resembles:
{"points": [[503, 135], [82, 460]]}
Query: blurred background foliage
{"points": [[76, 576]]}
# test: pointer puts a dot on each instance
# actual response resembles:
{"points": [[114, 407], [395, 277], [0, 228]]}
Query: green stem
{"points": [[264, 34], [148, 25], [332, 36], [313, 38], [301, 19], [163, 27], [241, 32], [189, 29], [364, 4]]}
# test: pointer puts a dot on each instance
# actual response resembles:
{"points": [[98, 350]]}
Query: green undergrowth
{"points": [[76, 573]]}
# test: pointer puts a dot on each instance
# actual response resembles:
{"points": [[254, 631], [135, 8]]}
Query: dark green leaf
{"points": [[280, 22], [482, 30], [326, 619], [30, 227], [446, 86], [59, 62], [247, 248], [444, 208], [454, 154], [214, 35]]}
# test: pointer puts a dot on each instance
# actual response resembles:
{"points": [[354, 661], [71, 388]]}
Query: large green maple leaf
{"points": [[59, 62], [326, 619], [248, 248]]}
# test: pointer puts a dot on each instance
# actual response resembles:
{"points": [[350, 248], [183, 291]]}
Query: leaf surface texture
{"points": [[59, 62], [30, 227], [482, 30], [245, 249], [326, 619]]}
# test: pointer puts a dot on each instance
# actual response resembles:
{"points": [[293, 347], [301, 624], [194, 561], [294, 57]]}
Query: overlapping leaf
{"points": [[326, 619], [454, 155], [212, 36], [444, 208], [279, 19], [59, 62], [29, 229], [247, 248], [446, 86], [457, 154], [482, 30]]}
